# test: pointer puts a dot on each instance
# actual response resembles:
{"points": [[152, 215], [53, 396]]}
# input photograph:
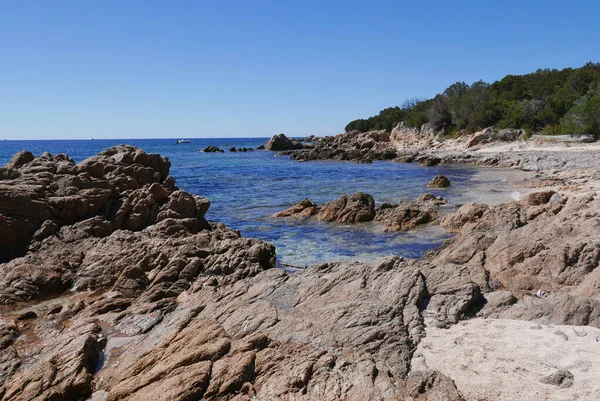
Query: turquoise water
{"points": [[245, 189]]}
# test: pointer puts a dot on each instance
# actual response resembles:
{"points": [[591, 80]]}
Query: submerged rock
{"points": [[431, 199]]}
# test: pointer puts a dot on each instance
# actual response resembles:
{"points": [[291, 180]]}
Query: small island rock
{"points": [[439, 181], [282, 142]]}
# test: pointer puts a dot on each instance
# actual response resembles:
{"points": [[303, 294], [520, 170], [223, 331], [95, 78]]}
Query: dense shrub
{"points": [[551, 101]]}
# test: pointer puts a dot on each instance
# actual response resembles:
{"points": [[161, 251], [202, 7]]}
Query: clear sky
{"points": [[141, 69]]}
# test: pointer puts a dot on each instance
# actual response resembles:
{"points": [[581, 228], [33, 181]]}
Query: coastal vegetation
{"points": [[548, 101]]}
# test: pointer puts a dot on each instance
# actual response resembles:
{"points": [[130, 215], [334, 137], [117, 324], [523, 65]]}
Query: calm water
{"points": [[246, 188]]}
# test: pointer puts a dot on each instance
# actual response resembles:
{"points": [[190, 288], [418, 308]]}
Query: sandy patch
{"points": [[533, 146], [498, 359]]}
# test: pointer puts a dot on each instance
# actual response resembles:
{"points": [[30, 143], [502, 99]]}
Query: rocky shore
{"points": [[114, 286], [490, 147]]}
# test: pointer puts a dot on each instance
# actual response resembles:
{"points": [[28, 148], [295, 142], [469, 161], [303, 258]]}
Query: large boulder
{"points": [[491, 134], [439, 181], [355, 208], [282, 142], [404, 137]]}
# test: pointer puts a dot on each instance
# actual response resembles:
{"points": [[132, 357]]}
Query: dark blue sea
{"points": [[245, 189]]}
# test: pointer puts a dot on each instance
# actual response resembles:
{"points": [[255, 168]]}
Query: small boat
{"points": [[182, 141]]}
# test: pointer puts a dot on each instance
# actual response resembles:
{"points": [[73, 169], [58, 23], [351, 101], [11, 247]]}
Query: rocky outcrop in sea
{"points": [[360, 208], [353, 146], [282, 142]]}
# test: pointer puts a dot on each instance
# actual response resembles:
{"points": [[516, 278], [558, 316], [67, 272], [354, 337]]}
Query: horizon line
{"points": [[138, 139]]}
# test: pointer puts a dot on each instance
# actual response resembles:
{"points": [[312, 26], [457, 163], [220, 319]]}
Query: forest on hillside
{"points": [[552, 102]]}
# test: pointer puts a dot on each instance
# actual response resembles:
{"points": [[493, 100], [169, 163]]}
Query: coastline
{"points": [[355, 330]]}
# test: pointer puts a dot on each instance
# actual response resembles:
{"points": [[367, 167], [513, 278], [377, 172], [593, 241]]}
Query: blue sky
{"points": [[128, 69]]}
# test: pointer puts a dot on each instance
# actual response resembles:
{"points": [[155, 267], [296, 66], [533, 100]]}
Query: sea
{"points": [[247, 188]]}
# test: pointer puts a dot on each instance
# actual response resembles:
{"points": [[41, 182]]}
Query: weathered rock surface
{"points": [[561, 378], [439, 181], [541, 252], [405, 217], [123, 186], [118, 288], [64, 371], [303, 209], [411, 139], [293, 336], [468, 213], [353, 146], [355, 208], [360, 207], [132, 295], [282, 142], [491, 134]]}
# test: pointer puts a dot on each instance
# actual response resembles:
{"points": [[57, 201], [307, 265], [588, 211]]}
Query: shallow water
{"points": [[246, 188]]}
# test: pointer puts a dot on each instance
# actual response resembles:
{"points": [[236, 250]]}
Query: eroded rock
{"points": [[282, 142], [302, 209], [529, 247], [405, 217], [353, 146], [439, 181], [561, 378], [355, 208]]}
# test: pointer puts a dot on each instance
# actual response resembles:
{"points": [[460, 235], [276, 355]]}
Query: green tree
{"points": [[552, 101]]}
